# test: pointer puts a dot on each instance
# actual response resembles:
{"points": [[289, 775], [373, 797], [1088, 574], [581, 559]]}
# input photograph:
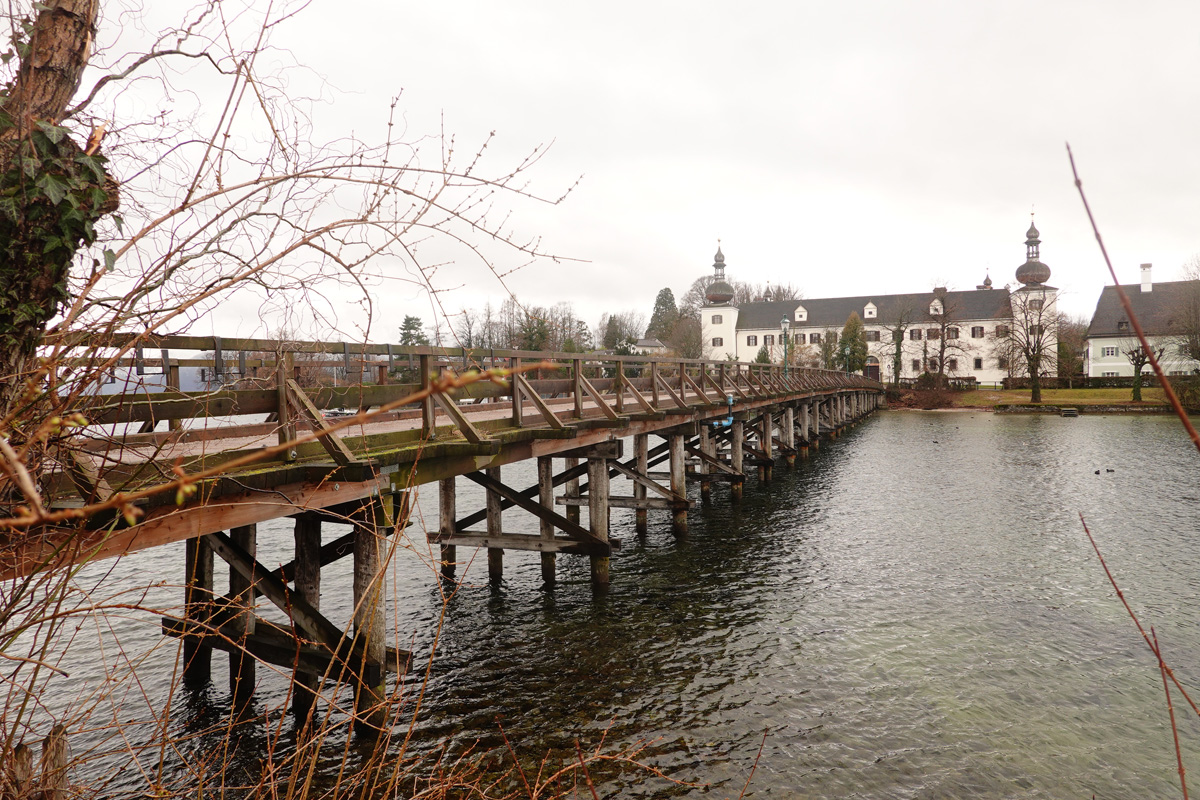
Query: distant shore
{"points": [[1016, 401]]}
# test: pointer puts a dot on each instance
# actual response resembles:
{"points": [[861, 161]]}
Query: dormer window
{"points": [[800, 314], [869, 311], [1123, 325], [935, 308]]}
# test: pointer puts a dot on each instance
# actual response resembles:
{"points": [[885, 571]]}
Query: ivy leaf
{"points": [[54, 187], [110, 260], [53, 132]]}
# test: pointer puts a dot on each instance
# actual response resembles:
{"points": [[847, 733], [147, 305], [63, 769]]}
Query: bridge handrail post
{"points": [[577, 386], [514, 364], [285, 368], [682, 382], [619, 387], [654, 383], [428, 419]]}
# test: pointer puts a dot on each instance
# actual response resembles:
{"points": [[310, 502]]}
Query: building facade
{"points": [[978, 334], [1166, 311]]}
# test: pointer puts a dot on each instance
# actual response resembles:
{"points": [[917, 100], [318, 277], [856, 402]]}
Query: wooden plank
{"points": [[628, 501], [600, 401], [662, 383], [571, 529], [518, 541], [305, 617], [644, 481], [279, 645], [535, 398], [708, 459], [469, 431], [695, 386], [332, 442]]}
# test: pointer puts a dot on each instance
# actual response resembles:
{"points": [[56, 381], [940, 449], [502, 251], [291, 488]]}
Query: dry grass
{"points": [[987, 398]]}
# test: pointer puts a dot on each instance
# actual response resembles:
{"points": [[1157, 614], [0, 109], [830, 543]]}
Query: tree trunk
{"points": [[38, 239], [1137, 383]]}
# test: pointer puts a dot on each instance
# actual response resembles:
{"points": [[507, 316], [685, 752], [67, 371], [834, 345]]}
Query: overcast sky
{"points": [[847, 148]]}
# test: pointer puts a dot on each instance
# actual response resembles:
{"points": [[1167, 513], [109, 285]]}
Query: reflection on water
{"points": [[912, 612]]}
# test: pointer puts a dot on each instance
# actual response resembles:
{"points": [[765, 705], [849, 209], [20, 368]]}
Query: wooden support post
{"points": [[737, 439], [284, 368], [446, 514], [572, 491], [171, 376], [598, 515], [619, 388], [241, 663], [495, 555], [54, 764], [641, 447], [370, 539], [767, 444], [678, 482], [197, 603], [789, 435], [545, 470], [815, 438], [307, 584], [805, 436], [514, 364], [577, 389], [706, 447], [428, 414]]}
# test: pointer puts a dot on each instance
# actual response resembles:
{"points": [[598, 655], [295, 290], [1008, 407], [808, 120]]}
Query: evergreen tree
{"points": [[763, 356], [665, 315], [852, 348], [412, 332], [534, 334], [829, 351]]}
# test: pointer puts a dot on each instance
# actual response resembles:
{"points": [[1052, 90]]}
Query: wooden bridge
{"points": [[337, 432]]}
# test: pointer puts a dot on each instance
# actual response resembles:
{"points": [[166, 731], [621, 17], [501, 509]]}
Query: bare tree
{"points": [[892, 344], [945, 335], [1139, 359], [1030, 343]]}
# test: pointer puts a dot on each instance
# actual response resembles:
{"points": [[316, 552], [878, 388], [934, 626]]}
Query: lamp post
{"points": [[784, 324]]}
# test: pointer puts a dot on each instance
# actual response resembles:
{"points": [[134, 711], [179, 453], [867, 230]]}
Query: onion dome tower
{"points": [[987, 282], [1033, 272], [719, 293]]}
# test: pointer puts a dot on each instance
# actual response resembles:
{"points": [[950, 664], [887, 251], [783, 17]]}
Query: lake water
{"points": [[914, 611]]}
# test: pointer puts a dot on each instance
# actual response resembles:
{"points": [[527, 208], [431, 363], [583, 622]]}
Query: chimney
{"points": [[1146, 284]]}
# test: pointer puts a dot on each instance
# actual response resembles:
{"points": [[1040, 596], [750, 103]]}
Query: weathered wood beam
{"points": [[601, 403], [535, 398], [469, 431], [571, 529], [332, 442]]}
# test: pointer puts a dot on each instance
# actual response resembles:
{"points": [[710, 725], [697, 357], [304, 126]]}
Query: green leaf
{"points": [[110, 260], [52, 242], [53, 132], [54, 187], [120, 222]]}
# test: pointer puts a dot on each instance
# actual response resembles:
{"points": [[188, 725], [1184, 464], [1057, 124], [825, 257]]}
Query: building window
{"points": [[1002, 362], [979, 363], [1035, 305], [799, 338], [833, 337], [915, 334], [1108, 375], [1110, 352], [952, 364], [869, 311], [1001, 330], [751, 341], [872, 336], [976, 331], [951, 333], [916, 365], [933, 365], [1036, 330], [718, 342], [717, 319], [814, 338], [769, 340], [1123, 325], [933, 333]]}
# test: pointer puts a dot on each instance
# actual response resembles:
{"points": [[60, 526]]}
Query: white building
{"points": [[1160, 309], [972, 331]]}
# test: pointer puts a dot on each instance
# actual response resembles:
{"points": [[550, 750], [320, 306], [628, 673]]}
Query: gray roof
{"points": [[1159, 311], [832, 312]]}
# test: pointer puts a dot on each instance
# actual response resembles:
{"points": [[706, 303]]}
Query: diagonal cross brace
{"points": [[571, 529], [332, 443]]}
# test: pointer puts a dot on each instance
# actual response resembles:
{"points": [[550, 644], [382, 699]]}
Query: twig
{"points": [[583, 766], [1137, 326], [1162, 668], [753, 767], [1121, 596]]}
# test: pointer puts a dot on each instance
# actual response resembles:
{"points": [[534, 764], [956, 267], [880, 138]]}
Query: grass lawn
{"points": [[985, 398]]}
